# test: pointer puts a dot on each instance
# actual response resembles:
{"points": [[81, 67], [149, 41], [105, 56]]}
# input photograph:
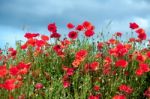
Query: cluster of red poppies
{"points": [[118, 56], [13, 76], [140, 31]]}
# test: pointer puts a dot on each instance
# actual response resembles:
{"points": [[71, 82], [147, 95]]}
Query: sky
{"points": [[20, 16]]}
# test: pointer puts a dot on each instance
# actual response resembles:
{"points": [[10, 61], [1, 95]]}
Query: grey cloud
{"points": [[38, 13]]}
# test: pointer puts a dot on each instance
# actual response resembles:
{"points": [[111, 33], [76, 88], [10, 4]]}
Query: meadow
{"points": [[77, 66]]}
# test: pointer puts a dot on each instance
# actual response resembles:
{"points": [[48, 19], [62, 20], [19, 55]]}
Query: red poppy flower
{"points": [[80, 55], [70, 71], [40, 43], [118, 34], [121, 50], [119, 97], [39, 86], [139, 72], [94, 97], [144, 67], [147, 93], [9, 84], [133, 25], [22, 69], [140, 58], [100, 45], [121, 63], [96, 88], [57, 48], [94, 66], [3, 71], [31, 35], [108, 60], [132, 39], [79, 28], [55, 35], [23, 65], [140, 31], [70, 25], [65, 42], [73, 35], [31, 42], [66, 84], [87, 25], [52, 28], [128, 46], [76, 63], [89, 33], [142, 36], [125, 88], [112, 41], [14, 71], [148, 54], [12, 51], [44, 37], [24, 46]]}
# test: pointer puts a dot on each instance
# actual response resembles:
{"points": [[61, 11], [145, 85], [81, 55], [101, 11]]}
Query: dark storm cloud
{"points": [[36, 14], [39, 13]]}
